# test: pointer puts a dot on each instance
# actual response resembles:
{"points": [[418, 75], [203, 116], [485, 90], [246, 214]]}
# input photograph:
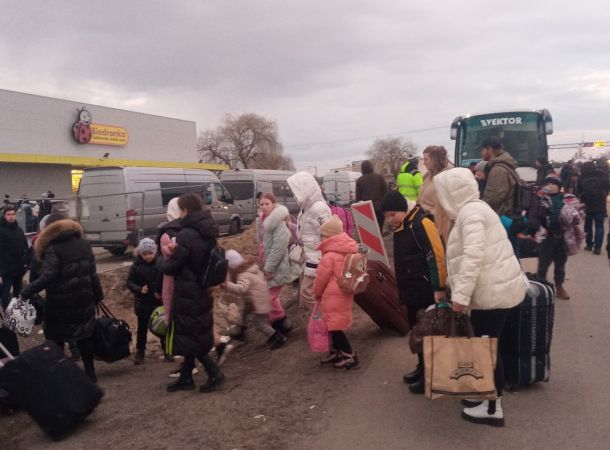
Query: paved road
{"points": [[571, 411]]}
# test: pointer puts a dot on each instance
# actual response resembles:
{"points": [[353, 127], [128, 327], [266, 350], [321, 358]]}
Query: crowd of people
{"points": [[456, 237]]}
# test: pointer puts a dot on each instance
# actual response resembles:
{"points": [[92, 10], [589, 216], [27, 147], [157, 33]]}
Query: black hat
{"points": [[394, 201], [492, 142], [553, 179]]}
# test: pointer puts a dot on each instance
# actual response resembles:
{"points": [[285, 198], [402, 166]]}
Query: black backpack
{"points": [[216, 270]]}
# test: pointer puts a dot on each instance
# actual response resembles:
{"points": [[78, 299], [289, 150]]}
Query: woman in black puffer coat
{"points": [[192, 309], [69, 276]]}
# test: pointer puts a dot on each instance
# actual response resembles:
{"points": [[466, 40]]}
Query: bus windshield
{"points": [[522, 134]]}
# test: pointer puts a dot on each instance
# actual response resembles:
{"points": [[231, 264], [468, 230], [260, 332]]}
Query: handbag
{"points": [[434, 321], [20, 317], [296, 254], [111, 337], [317, 332], [460, 367]]}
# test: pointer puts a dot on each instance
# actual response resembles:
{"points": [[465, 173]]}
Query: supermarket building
{"points": [[45, 143]]}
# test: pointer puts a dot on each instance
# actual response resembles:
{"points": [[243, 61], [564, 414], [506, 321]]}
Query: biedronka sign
{"points": [[86, 132]]}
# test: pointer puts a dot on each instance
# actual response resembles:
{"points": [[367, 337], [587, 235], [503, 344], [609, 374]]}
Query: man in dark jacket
{"points": [[543, 169], [13, 248], [500, 182], [192, 309], [371, 186], [72, 287], [593, 192]]}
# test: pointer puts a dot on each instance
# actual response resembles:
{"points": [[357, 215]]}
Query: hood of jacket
{"points": [[249, 265], [455, 188], [202, 222], [279, 214], [339, 243], [59, 231], [504, 158], [305, 188]]}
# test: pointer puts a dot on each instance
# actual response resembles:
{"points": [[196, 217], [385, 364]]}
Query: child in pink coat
{"points": [[336, 304]]}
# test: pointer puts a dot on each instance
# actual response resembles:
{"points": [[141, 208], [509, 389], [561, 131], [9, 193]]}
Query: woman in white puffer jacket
{"points": [[482, 271]]}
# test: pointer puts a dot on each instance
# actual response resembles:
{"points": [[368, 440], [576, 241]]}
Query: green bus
{"points": [[523, 134]]}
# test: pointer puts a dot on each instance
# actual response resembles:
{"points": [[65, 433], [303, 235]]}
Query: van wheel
{"points": [[117, 251], [235, 227]]}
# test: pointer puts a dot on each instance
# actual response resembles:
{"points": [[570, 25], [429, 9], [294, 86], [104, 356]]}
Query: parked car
{"points": [[340, 186], [118, 206], [245, 184]]}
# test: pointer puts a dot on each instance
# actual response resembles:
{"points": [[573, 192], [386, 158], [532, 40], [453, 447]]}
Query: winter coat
{"points": [[314, 212], [192, 305], [145, 274], [428, 201], [13, 248], [419, 259], [371, 186], [276, 242], [248, 281], [70, 279], [500, 184], [482, 270], [166, 232], [336, 304], [409, 181], [593, 189]]}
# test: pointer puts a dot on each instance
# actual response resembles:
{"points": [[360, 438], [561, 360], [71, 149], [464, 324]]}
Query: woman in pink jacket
{"points": [[336, 304]]}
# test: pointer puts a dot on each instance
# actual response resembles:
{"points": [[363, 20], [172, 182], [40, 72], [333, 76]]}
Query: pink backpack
{"points": [[346, 217]]}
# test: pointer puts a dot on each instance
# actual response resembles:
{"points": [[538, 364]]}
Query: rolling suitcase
{"points": [[51, 388], [525, 343], [380, 300]]}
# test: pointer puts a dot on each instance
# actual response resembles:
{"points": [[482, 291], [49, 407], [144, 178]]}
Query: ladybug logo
{"points": [[81, 130]]}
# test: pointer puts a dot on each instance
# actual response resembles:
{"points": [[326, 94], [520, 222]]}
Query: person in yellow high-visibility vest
{"points": [[409, 180]]}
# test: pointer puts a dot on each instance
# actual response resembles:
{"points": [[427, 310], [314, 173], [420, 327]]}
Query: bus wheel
{"points": [[235, 227]]}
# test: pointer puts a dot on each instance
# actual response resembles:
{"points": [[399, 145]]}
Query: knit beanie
{"points": [[234, 258], [394, 201], [173, 211], [147, 245], [332, 226]]}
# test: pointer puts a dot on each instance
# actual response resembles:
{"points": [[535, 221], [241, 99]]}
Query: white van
{"points": [[121, 205], [340, 186], [245, 184]]}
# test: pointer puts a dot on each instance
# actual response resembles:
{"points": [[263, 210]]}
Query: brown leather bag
{"points": [[438, 322]]}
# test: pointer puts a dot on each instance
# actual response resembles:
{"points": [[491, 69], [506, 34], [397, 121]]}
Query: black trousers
{"points": [[490, 322], [340, 342], [552, 250], [143, 314], [85, 347], [8, 282], [211, 368]]}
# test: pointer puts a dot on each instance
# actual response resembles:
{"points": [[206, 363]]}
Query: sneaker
{"points": [[413, 376], [597, 251], [139, 359], [588, 248], [331, 358], [222, 352], [277, 340], [181, 385], [486, 413], [561, 293], [347, 362], [176, 373], [212, 384], [419, 387]]}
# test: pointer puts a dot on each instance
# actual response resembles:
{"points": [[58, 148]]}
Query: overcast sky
{"points": [[333, 74]]}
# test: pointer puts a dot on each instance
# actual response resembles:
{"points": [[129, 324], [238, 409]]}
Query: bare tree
{"points": [[244, 141], [388, 155]]}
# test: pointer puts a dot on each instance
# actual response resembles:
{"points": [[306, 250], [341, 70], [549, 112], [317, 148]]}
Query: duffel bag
{"points": [[111, 337]]}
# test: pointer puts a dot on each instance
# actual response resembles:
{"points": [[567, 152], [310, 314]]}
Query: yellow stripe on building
{"points": [[82, 161]]}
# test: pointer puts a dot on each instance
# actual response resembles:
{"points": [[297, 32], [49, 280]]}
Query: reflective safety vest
{"points": [[409, 182]]}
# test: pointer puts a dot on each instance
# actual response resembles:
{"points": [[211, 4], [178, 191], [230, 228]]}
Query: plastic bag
{"points": [[20, 317], [317, 332]]}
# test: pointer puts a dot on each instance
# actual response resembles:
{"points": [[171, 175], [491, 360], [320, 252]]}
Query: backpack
{"points": [[522, 202], [216, 270], [346, 218], [354, 278], [592, 189]]}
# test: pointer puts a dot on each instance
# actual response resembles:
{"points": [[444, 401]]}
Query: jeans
{"points": [[490, 322], [552, 250], [9, 282], [596, 218]]}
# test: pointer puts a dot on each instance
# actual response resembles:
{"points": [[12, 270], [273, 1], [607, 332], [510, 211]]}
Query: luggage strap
{"points": [[105, 310]]}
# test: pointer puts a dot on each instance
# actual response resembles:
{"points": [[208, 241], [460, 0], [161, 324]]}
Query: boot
{"points": [[237, 332], [283, 325], [562, 294], [487, 413], [416, 374], [330, 358], [182, 384], [212, 384], [597, 251], [168, 358], [277, 340], [347, 361], [419, 387], [139, 358]]}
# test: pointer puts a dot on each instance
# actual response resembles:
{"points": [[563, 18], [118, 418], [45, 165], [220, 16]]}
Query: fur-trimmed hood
{"points": [[280, 213], [249, 265], [61, 230]]}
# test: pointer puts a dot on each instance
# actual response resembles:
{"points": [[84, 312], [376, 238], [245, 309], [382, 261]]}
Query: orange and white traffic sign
{"points": [[369, 232]]}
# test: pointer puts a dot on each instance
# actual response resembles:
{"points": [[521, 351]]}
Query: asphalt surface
{"points": [[569, 412]]}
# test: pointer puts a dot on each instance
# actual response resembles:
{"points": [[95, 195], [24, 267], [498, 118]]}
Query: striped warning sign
{"points": [[368, 230]]}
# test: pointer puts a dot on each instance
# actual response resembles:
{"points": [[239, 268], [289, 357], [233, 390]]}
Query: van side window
{"points": [[171, 190], [281, 189], [221, 193], [240, 190]]}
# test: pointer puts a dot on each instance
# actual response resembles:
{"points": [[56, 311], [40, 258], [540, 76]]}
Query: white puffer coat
{"points": [[314, 212], [482, 270]]}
